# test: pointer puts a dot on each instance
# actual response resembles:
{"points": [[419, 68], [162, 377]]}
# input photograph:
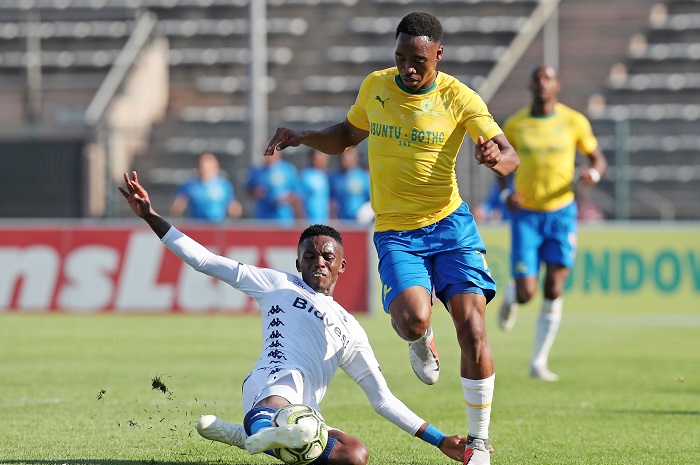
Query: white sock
{"points": [[478, 395], [510, 295], [546, 330]]}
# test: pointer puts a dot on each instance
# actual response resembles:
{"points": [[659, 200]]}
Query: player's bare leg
{"points": [[548, 322], [518, 292], [477, 372], [410, 317]]}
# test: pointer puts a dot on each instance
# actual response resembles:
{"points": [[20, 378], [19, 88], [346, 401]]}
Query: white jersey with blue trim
{"points": [[302, 329], [305, 330]]}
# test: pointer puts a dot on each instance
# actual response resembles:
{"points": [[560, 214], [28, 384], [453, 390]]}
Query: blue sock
{"points": [[257, 419]]}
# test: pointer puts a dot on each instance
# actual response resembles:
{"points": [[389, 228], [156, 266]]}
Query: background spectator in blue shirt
{"points": [[314, 188], [349, 187], [493, 208], [207, 197], [272, 186]]}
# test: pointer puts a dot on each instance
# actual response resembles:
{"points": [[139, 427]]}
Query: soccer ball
{"points": [[302, 415]]}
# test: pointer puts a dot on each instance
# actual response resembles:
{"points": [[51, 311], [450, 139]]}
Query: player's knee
{"points": [[525, 292], [359, 456], [412, 329], [471, 333], [350, 451], [412, 325]]}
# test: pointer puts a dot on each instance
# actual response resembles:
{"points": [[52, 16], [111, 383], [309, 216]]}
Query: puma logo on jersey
{"points": [[380, 100]]}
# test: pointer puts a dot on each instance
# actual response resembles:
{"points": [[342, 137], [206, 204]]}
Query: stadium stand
{"points": [[320, 50], [653, 95]]}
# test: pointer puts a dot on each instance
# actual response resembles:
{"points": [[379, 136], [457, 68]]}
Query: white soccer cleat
{"points": [[543, 374], [215, 429], [477, 453], [507, 315], [424, 358], [278, 437]]}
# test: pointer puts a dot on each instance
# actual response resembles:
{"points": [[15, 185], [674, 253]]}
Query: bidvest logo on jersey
{"points": [[302, 304]]}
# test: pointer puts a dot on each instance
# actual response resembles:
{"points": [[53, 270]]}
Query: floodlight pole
{"points": [[257, 83], [550, 34]]}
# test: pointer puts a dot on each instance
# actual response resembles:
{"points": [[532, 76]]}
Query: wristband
{"points": [[595, 175], [432, 435], [503, 196]]}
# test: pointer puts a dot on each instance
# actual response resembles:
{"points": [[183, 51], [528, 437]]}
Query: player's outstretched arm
{"points": [[332, 140], [140, 204]]}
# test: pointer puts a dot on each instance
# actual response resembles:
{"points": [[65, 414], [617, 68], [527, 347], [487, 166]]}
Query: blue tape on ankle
{"points": [[432, 435], [323, 459]]}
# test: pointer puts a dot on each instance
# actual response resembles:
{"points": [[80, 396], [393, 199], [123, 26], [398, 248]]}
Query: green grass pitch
{"points": [[77, 390]]}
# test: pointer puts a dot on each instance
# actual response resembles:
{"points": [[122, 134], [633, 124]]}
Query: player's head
{"points": [[418, 50], [420, 24], [207, 165], [320, 257], [349, 159], [318, 159], [544, 83]]}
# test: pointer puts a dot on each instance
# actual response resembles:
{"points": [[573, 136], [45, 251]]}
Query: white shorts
{"points": [[286, 383]]}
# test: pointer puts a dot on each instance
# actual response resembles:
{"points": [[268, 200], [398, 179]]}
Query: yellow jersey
{"points": [[413, 142], [547, 147]]}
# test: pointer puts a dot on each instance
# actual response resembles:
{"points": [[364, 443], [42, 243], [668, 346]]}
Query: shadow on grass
{"points": [[119, 462], [657, 412]]}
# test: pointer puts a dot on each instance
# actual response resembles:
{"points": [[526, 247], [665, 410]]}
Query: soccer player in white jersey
{"points": [[307, 336]]}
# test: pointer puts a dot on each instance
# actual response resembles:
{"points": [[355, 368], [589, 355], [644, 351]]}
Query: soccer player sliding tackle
{"points": [[307, 336]]}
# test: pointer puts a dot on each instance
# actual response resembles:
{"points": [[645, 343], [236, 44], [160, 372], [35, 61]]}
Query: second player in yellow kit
{"points": [[547, 147], [546, 135]]}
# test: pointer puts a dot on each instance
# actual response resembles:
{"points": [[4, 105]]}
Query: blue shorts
{"points": [[448, 256], [542, 237]]}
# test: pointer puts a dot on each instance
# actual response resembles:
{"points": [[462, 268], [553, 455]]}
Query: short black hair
{"points": [[321, 230], [421, 24]]}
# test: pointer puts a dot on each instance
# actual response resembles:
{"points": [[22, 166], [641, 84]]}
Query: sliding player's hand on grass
{"points": [[453, 447]]}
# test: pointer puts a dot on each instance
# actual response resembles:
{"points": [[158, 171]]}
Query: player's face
{"points": [[416, 59], [544, 83], [320, 259]]}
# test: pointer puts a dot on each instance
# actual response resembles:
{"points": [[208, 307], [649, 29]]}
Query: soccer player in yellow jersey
{"points": [[415, 119], [546, 136]]}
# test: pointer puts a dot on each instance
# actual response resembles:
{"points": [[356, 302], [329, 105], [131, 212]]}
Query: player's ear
{"points": [[438, 56], [341, 268], [296, 262]]}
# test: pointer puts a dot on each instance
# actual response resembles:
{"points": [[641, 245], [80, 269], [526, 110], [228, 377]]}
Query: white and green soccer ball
{"points": [[305, 416]]}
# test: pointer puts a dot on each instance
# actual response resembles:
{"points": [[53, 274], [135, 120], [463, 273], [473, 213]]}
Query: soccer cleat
{"points": [[507, 315], [476, 453], [487, 444], [277, 437], [424, 358], [543, 373], [214, 428]]}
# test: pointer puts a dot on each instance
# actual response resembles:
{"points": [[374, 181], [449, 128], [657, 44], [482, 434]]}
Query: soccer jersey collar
{"points": [[397, 79]]}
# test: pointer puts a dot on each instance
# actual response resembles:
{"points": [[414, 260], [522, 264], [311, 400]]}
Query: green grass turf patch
{"points": [[78, 390]]}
